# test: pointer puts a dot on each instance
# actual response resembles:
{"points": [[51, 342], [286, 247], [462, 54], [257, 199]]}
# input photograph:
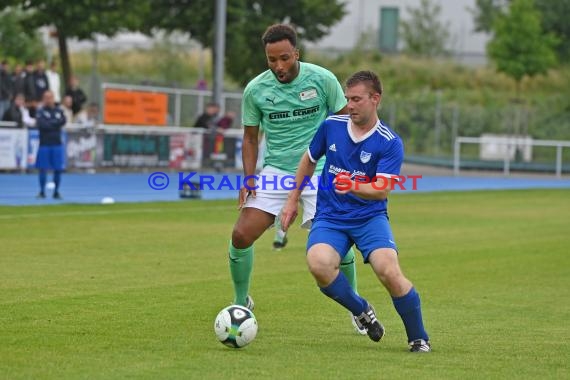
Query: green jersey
{"points": [[290, 113]]}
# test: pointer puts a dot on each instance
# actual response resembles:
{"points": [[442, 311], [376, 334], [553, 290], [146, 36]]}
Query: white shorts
{"points": [[273, 188]]}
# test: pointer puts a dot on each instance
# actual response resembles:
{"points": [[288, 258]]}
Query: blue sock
{"points": [[340, 291], [56, 180], [410, 310], [43, 180]]}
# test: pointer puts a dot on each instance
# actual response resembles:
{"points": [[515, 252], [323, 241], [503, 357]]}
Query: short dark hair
{"points": [[279, 32], [369, 78]]}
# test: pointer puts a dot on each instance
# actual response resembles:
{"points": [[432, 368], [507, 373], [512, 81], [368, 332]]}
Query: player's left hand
{"points": [[288, 214]]}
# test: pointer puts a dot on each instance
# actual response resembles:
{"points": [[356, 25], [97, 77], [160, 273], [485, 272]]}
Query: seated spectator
{"points": [[90, 117], [226, 121], [18, 113], [67, 109], [207, 120]]}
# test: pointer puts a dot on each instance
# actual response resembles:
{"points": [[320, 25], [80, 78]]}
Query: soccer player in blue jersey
{"points": [[288, 102], [363, 158]]}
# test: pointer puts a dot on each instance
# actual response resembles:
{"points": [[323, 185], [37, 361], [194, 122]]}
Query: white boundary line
{"points": [[110, 212]]}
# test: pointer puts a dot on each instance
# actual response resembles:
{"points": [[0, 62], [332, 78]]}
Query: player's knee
{"points": [[389, 274], [394, 281], [240, 238], [315, 263], [320, 263]]}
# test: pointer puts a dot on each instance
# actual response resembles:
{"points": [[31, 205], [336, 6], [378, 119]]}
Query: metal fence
{"points": [[512, 145], [429, 124], [124, 147], [429, 127]]}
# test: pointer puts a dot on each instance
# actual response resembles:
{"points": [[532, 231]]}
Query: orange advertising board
{"points": [[135, 107]]}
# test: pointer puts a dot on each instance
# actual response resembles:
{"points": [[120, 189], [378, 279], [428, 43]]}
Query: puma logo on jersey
{"points": [[272, 101], [332, 148]]}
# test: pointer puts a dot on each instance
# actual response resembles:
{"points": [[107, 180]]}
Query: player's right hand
{"points": [[342, 183], [245, 192]]}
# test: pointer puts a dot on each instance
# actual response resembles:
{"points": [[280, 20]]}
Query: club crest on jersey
{"points": [[308, 94], [365, 157]]}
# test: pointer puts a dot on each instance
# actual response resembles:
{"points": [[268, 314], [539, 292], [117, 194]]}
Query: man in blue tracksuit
{"points": [[51, 154]]}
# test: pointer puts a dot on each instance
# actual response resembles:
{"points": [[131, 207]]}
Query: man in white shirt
{"points": [[54, 81]]}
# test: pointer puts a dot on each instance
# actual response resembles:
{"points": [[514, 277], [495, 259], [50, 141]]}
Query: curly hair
{"points": [[279, 32]]}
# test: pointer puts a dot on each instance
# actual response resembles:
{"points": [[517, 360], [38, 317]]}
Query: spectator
{"points": [[208, 118], [77, 94], [202, 85], [5, 87], [18, 113], [226, 121], [66, 107], [17, 78], [30, 88], [89, 118], [51, 154], [41, 80], [54, 81]]}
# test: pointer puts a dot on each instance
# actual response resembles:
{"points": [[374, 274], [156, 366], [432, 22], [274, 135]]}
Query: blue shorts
{"points": [[368, 236], [51, 157]]}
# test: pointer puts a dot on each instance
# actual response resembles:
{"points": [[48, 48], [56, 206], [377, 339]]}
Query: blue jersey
{"points": [[49, 122], [379, 153]]}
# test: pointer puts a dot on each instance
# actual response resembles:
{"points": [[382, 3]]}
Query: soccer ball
{"points": [[235, 326]]}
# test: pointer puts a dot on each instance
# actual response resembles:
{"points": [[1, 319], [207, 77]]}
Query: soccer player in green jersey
{"points": [[288, 102]]}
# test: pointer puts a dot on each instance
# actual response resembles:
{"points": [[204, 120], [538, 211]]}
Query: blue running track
{"points": [[21, 189]]}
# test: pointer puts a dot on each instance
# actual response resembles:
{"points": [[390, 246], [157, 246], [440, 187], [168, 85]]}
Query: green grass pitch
{"points": [[132, 290]]}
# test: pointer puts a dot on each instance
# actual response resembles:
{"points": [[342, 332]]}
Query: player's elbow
{"points": [[307, 161]]}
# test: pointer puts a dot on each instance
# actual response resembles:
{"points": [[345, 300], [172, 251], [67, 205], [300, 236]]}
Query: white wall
{"points": [[365, 14]]}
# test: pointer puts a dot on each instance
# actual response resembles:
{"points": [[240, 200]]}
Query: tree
{"points": [[246, 22], [554, 19], [423, 33], [555, 15], [485, 13], [519, 47], [81, 19], [17, 42]]}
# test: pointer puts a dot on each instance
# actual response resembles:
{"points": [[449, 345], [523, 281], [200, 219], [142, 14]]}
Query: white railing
{"points": [[511, 143]]}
